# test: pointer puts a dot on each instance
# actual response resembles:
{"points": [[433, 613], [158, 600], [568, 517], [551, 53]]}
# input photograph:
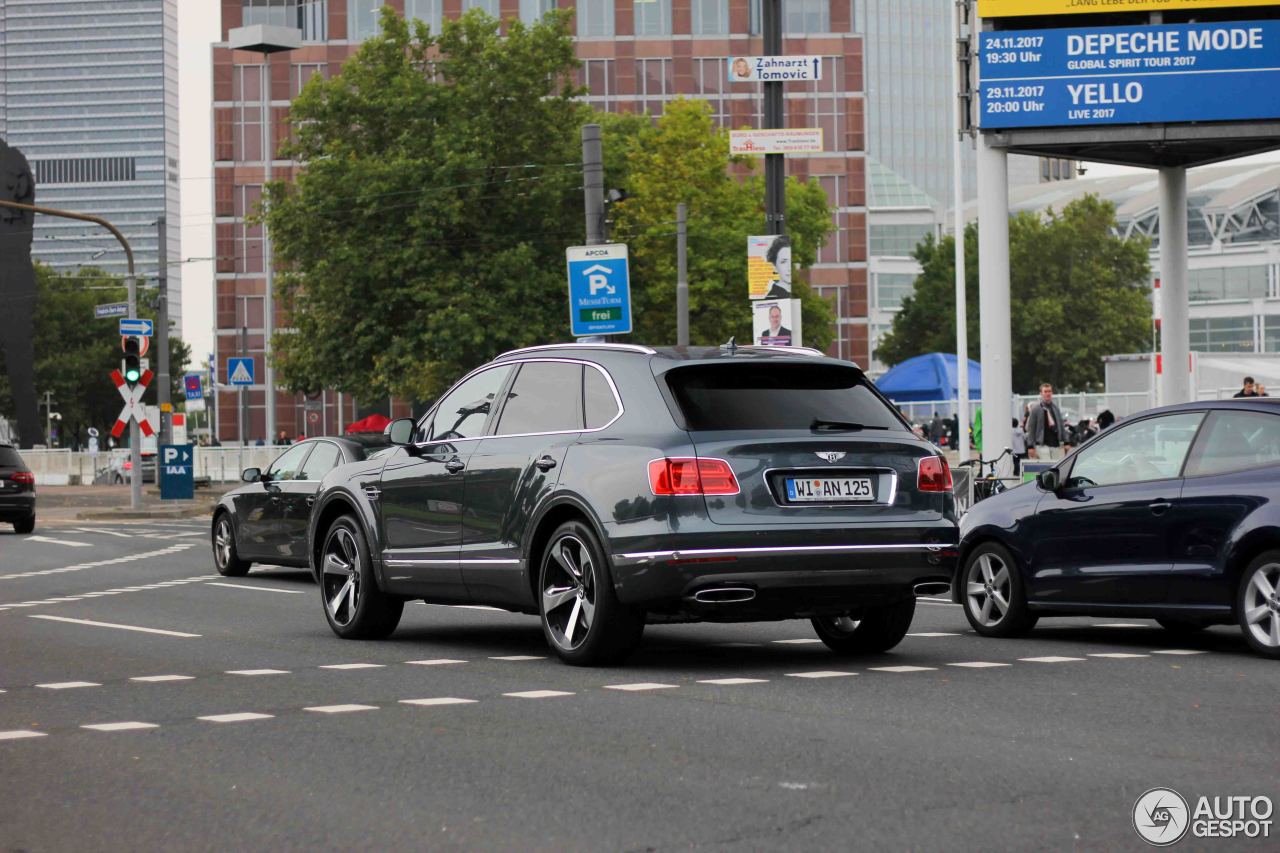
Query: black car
{"points": [[17, 490], [605, 485], [265, 520], [1170, 515]]}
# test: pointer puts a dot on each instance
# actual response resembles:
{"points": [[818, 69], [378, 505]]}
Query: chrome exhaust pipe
{"points": [[724, 595], [933, 588]]}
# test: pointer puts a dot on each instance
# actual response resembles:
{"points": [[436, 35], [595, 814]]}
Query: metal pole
{"points": [[341, 414], [957, 204], [775, 169], [243, 419], [48, 419], [993, 297], [593, 183], [682, 274], [162, 343], [269, 307], [1175, 335]]}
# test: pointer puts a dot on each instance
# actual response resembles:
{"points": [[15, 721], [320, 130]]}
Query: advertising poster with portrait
{"points": [[769, 267], [776, 322]]}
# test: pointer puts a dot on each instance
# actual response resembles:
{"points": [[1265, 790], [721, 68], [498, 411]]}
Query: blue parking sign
{"points": [[599, 290], [177, 472]]}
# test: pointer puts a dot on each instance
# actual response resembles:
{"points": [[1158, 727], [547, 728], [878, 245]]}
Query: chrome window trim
{"points": [[604, 346], [880, 470], [617, 398]]}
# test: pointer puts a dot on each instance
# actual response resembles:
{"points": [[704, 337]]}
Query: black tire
{"points": [[576, 594], [997, 606], [226, 558], [1258, 611], [25, 525], [1181, 627], [353, 605], [868, 631]]}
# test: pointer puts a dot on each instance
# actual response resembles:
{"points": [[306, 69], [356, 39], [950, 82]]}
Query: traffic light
{"points": [[131, 365]]}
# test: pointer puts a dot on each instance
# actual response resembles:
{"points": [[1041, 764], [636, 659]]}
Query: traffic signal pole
{"points": [[775, 169], [162, 346], [135, 438]]}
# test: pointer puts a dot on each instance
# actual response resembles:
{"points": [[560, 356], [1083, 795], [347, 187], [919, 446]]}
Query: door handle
{"points": [[453, 466], [1159, 507], [311, 499], [546, 463]]}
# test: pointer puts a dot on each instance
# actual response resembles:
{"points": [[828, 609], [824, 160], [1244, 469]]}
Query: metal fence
{"points": [[66, 467], [1074, 406]]}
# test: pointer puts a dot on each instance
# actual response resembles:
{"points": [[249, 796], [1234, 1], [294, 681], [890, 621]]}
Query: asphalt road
{"points": [[250, 726]]}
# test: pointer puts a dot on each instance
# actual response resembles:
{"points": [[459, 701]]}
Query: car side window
{"points": [[1235, 441], [598, 400], [321, 461], [546, 397], [1151, 449], [289, 463], [464, 410]]}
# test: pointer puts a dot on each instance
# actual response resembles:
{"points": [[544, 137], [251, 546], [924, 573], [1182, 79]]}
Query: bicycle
{"points": [[986, 483]]}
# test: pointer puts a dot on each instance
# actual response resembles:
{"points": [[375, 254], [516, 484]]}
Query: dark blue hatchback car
{"points": [[1172, 515]]}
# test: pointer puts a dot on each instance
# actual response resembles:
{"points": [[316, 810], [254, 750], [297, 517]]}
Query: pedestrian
{"points": [[1046, 432], [1249, 389], [1018, 444], [1105, 419], [282, 438], [1262, 390], [935, 429]]}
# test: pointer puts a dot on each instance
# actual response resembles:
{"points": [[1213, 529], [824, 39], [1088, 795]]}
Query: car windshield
{"points": [[818, 397]]}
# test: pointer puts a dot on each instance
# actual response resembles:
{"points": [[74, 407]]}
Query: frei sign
{"points": [[1018, 8], [1130, 75], [790, 140], [599, 290], [774, 69]]}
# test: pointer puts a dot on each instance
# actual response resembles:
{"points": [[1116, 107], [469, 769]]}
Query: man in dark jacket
{"points": [[1249, 389], [1046, 432]]}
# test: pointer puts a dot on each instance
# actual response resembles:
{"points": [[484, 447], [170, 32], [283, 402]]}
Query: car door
{"points": [[262, 507], [1105, 538], [1230, 472], [301, 494], [513, 469], [421, 491]]}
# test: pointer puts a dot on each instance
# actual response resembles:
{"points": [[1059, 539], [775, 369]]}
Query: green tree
{"points": [[75, 353], [418, 241], [1078, 292], [684, 158]]}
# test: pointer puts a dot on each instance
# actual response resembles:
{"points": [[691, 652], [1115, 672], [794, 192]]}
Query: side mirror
{"points": [[251, 475], [400, 431], [1048, 480]]}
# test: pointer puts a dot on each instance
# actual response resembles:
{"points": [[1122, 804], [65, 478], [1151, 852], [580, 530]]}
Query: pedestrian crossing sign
{"points": [[240, 371]]}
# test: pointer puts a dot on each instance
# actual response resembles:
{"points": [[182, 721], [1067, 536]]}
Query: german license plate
{"points": [[829, 489]]}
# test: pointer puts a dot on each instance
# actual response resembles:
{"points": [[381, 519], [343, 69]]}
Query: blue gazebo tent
{"points": [[928, 377]]}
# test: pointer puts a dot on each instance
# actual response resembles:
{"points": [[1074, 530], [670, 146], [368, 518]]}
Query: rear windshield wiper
{"points": [[819, 425]]}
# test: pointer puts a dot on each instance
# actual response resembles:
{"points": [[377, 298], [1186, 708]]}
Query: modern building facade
{"points": [[636, 57], [89, 92]]}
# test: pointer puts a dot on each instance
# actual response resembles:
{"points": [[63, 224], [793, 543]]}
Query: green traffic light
{"points": [[132, 374]]}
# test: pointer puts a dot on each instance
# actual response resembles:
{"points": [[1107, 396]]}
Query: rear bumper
{"points": [[15, 507]]}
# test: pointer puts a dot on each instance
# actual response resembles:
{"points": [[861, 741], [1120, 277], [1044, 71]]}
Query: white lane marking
{"points": [[352, 666], [104, 532], [537, 694], [68, 542], [934, 634], [1122, 625], [935, 598], [257, 672], [340, 709], [235, 718], [257, 588], [438, 700], [94, 624], [120, 727], [801, 642], [1116, 655], [930, 603], [518, 657], [20, 734], [127, 558], [732, 681], [902, 668], [1050, 659], [978, 664], [639, 686], [68, 685], [474, 607], [821, 673], [1178, 652], [434, 662], [157, 678]]}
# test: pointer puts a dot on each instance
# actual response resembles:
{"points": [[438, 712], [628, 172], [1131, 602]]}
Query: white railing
{"points": [[1122, 405], [224, 464], [61, 467]]}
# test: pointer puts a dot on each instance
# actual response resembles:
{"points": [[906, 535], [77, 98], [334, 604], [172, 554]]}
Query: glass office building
{"points": [[89, 93]]}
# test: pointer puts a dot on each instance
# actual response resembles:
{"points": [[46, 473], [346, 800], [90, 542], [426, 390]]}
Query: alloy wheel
{"points": [[222, 543], [569, 592], [1262, 605], [988, 588], [843, 624], [340, 576]]}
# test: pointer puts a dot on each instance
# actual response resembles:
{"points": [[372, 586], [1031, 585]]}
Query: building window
{"points": [[896, 241], [362, 19], [1271, 333], [1222, 334], [246, 91], [710, 17], [600, 78], [653, 17], [824, 105], [595, 18], [893, 287], [799, 17], [654, 81], [490, 7], [531, 11], [248, 237], [708, 84], [832, 251], [1209, 285], [430, 12], [303, 72], [85, 170]]}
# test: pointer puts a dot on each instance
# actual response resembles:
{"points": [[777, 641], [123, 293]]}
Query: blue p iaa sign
{"points": [[177, 481]]}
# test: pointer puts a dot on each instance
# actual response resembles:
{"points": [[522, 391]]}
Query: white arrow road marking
{"points": [[111, 625]]}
